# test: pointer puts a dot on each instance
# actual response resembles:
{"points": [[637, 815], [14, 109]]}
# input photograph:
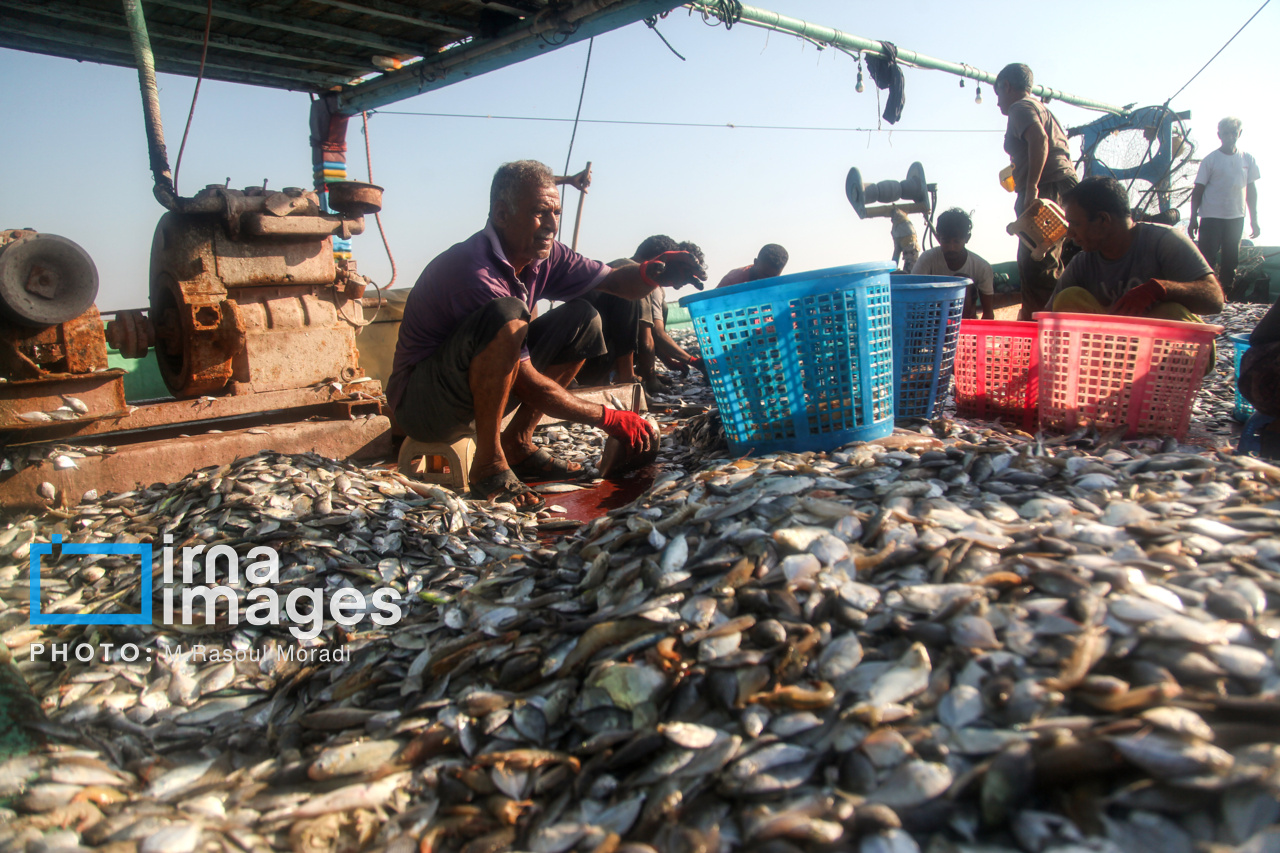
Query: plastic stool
{"points": [[445, 464]]}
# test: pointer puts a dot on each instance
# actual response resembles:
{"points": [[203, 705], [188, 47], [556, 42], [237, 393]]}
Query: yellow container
{"points": [[1006, 178]]}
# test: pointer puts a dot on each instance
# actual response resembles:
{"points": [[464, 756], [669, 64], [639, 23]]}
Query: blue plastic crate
{"points": [[927, 310], [800, 362], [1244, 409]]}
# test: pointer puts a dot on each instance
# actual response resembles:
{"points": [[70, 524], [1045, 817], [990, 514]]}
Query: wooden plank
{"points": [[161, 33], [403, 14], [316, 29], [169, 460], [165, 58]]}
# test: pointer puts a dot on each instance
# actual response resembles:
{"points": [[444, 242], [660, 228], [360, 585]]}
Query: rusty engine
{"points": [[246, 295], [51, 339]]}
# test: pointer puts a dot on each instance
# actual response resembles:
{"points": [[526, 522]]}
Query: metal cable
{"points": [[204, 52], [1165, 106]]}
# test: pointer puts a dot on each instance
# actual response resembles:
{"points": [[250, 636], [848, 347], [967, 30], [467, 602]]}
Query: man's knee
{"points": [[582, 315], [1077, 300], [505, 322], [503, 310], [579, 312]]}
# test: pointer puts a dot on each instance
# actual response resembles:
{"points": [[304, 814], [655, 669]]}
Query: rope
{"points": [[377, 217], [576, 116], [204, 52], [729, 12], [1220, 50], [652, 23], [1165, 106]]}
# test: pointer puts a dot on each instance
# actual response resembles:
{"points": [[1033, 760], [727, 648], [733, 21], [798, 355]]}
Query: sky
{"points": [[74, 140]]}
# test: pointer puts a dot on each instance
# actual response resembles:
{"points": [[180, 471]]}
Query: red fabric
{"points": [[1139, 301]]}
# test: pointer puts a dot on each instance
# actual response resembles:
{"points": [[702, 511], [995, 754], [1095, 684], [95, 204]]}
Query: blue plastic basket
{"points": [[926, 323], [800, 362], [1244, 409]]}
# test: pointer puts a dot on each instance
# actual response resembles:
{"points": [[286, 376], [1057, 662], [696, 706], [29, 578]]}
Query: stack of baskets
{"points": [[815, 360], [1070, 370]]}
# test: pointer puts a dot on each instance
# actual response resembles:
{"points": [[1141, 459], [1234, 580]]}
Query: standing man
{"points": [[1225, 186], [468, 352], [769, 263], [952, 257], [1042, 169]]}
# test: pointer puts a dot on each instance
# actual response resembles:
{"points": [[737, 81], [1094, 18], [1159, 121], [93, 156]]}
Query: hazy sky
{"points": [[76, 165]]}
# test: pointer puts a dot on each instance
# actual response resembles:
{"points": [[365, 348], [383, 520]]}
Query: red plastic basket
{"points": [[998, 371], [1121, 371]]}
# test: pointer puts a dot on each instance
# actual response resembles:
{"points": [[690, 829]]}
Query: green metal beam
{"points": [[179, 35], [527, 39], [765, 19]]}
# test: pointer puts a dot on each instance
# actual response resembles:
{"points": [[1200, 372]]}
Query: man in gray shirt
{"points": [[1042, 169], [1138, 270]]}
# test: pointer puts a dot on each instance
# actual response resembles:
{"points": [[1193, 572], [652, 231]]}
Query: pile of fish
{"points": [[962, 642], [953, 640]]}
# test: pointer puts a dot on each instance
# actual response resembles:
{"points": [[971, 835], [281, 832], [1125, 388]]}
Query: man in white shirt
{"points": [[1225, 186], [952, 258]]}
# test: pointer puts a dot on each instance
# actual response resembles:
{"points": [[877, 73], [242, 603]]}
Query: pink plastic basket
{"points": [[998, 371], [1121, 371]]}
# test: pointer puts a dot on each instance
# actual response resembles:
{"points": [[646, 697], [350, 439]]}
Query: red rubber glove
{"points": [[627, 427], [698, 364], [1137, 302], [674, 269]]}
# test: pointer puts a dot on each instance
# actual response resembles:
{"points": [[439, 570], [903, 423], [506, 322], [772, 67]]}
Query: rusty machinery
{"points": [[51, 340], [246, 296]]}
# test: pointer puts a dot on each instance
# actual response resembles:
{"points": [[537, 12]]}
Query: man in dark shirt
{"points": [[467, 349], [1042, 169], [1138, 270]]}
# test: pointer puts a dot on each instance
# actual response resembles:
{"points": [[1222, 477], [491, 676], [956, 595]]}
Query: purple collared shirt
{"points": [[469, 275]]}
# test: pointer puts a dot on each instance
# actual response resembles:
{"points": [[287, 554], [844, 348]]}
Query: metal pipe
{"points": [[164, 189], [765, 19]]}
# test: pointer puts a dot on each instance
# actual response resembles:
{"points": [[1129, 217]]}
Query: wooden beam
{"points": [[165, 58], [509, 9], [87, 54], [162, 33], [301, 26], [405, 15]]}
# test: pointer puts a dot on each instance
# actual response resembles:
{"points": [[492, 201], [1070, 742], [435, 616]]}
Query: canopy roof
{"points": [[347, 47]]}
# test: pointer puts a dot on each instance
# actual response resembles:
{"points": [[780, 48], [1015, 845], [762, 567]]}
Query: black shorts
{"points": [[437, 403]]}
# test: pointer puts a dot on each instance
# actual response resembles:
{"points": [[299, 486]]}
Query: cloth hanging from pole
{"points": [[887, 74]]}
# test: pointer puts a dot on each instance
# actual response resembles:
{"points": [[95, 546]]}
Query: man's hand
{"points": [[1193, 225], [629, 428], [1137, 302], [675, 269], [1254, 230], [580, 181]]}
